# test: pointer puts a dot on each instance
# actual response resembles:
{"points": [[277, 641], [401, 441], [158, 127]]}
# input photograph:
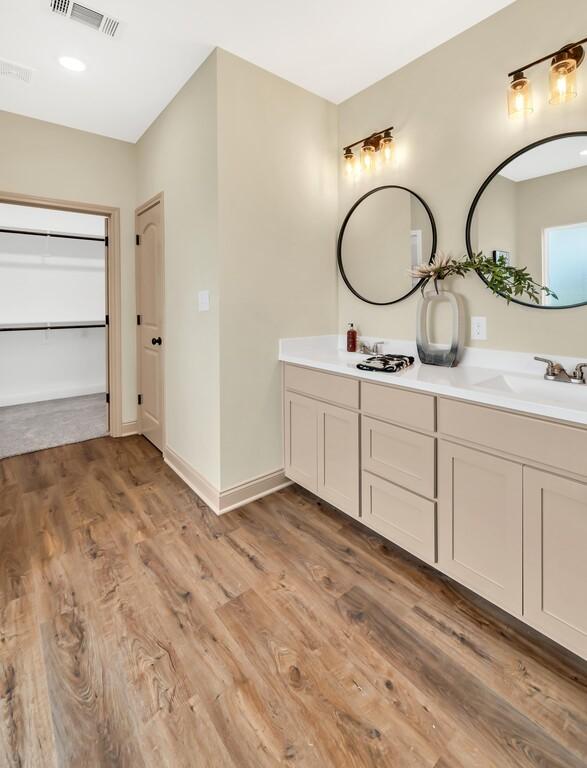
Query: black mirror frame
{"points": [[482, 189], [341, 235]]}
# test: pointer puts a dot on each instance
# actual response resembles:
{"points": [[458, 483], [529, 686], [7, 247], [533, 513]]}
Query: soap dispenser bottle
{"points": [[351, 339]]}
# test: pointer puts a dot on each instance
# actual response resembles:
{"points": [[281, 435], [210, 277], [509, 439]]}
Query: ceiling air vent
{"points": [[15, 71], [60, 6], [88, 16]]}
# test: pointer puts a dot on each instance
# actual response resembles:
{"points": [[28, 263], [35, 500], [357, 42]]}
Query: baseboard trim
{"points": [[129, 428], [254, 489], [204, 489], [221, 502], [52, 394]]}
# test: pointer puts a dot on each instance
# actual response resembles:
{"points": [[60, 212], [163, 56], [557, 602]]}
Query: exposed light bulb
{"points": [[519, 96], [349, 162], [368, 156], [386, 147], [563, 78]]}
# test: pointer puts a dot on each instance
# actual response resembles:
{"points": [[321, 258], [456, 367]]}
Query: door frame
{"points": [[157, 199], [113, 282]]}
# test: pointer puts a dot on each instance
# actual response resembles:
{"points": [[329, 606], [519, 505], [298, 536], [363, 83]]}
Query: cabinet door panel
{"points": [[411, 409], [480, 523], [400, 455], [402, 517], [301, 440], [323, 386], [555, 557], [338, 458]]}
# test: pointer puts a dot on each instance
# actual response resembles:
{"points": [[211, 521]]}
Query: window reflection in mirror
{"points": [[534, 214]]}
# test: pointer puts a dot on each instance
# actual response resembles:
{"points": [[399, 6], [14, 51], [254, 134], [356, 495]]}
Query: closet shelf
{"points": [[47, 233], [52, 326]]}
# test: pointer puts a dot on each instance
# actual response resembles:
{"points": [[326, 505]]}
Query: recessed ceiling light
{"points": [[69, 62], [583, 152]]}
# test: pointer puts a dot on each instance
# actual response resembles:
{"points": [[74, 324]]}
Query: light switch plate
{"points": [[479, 328], [203, 301]]}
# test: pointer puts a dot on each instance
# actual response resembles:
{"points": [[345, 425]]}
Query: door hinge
{"points": [[107, 397], [107, 319], [140, 399], [137, 239], [106, 241], [138, 319]]}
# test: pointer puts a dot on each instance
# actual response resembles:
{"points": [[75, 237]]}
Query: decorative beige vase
{"points": [[447, 355]]}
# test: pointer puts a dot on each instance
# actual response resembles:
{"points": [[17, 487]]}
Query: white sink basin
{"points": [[537, 390]]}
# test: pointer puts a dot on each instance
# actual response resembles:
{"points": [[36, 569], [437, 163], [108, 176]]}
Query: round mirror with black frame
{"points": [[386, 232], [531, 212]]}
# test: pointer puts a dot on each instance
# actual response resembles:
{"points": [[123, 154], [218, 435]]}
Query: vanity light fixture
{"points": [[374, 148], [563, 79], [563, 76], [519, 96]]}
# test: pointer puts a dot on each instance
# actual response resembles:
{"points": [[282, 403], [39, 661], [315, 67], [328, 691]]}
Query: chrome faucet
{"points": [[556, 372], [376, 349]]}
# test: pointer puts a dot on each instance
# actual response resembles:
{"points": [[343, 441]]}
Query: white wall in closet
{"points": [[46, 279]]}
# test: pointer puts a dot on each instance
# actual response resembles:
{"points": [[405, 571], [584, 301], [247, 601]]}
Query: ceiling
{"points": [[553, 157], [330, 47]]}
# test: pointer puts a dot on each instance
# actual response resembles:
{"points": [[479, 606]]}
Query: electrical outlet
{"points": [[479, 328]]}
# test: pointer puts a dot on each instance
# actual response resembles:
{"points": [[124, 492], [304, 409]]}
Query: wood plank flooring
{"points": [[139, 629]]}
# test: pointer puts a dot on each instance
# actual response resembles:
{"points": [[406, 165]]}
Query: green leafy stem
{"points": [[510, 282]]}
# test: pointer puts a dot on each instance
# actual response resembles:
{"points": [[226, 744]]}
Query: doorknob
{"points": [[156, 341]]}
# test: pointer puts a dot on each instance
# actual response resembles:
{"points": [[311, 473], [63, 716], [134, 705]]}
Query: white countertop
{"points": [[509, 380]]}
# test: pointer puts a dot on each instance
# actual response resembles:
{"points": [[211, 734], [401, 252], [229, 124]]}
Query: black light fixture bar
{"points": [[41, 233], [564, 49], [367, 138]]}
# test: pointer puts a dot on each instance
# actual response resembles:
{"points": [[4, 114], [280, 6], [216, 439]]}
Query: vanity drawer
{"points": [[400, 455], [324, 386], [402, 517], [554, 445], [411, 409]]}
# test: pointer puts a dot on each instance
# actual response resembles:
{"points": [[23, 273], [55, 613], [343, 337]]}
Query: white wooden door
{"points": [[150, 293]]}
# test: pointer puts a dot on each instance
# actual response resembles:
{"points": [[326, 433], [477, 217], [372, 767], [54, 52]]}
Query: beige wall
{"points": [[247, 163], [452, 129], [177, 155], [277, 196], [47, 160], [494, 225]]}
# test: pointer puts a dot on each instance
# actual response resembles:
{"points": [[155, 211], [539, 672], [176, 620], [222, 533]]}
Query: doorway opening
{"points": [[56, 343]]}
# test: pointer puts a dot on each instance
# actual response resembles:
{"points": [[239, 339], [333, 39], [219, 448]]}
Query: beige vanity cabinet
{"points": [[398, 459], [555, 557], [301, 440], [480, 523], [322, 439], [495, 499], [338, 457]]}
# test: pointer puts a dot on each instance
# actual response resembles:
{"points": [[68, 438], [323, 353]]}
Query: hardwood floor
{"points": [[139, 629]]}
